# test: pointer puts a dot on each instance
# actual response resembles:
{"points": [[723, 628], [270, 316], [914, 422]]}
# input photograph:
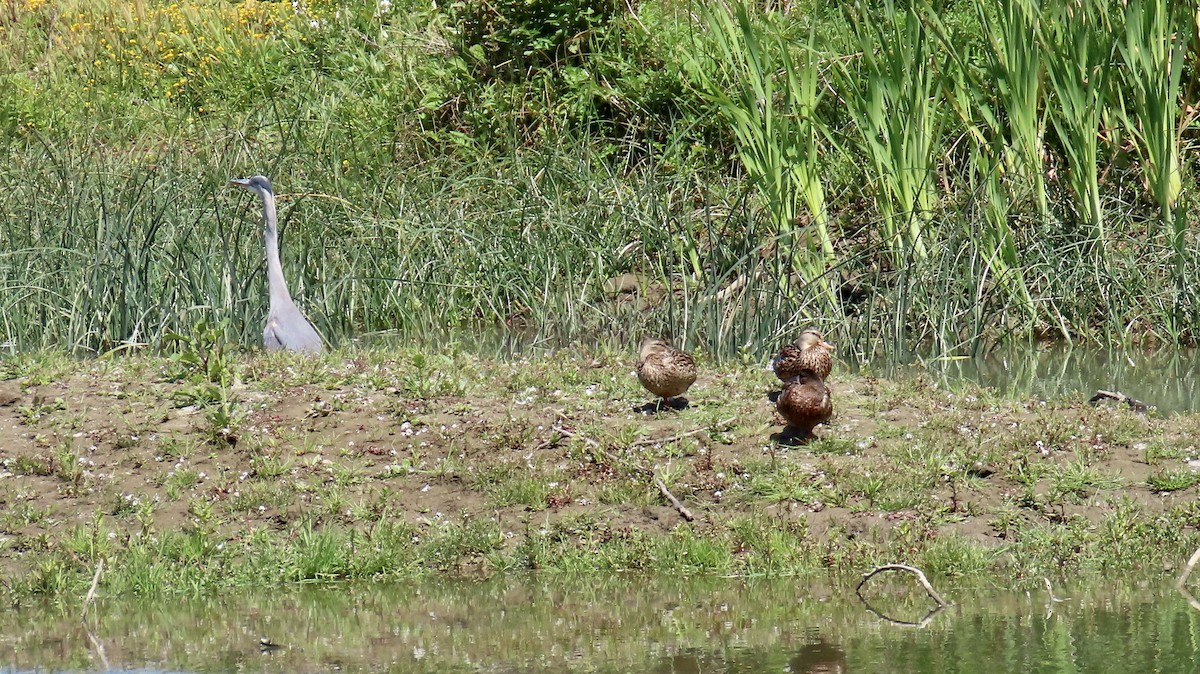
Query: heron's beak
{"points": [[240, 182]]}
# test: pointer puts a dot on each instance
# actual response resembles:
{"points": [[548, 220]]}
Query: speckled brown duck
{"points": [[804, 403], [809, 352], [664, 370]]}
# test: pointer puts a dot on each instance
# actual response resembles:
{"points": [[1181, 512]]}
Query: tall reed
{"points": [[1153, 45], [999, 109], [981, 149], [893, 95], [1077, 47], [770, 98], [1014, 70]]}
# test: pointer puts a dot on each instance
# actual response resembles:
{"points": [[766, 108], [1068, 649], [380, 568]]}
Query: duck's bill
{"points": [[827, 345]]}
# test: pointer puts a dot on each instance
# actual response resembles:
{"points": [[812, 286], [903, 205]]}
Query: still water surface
{"points": [[1161, 378], [614, 624]]}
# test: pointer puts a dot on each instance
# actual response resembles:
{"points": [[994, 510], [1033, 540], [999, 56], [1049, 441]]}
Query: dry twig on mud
{"points": [[1134, 404], [683, 512], [634, 466], [657, 441]]}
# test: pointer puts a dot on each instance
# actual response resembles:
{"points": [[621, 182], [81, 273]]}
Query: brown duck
{"points": [[810, 352], [664, 370], [805, 402]]}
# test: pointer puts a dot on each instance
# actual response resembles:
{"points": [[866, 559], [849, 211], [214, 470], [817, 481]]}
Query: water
{"points": [[1160, 378], [614, 624]]}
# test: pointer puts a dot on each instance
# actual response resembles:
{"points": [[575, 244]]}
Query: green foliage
{"points": [[770, 99], [954, 172], [1172, 480], [507, 39], [202, 356]]}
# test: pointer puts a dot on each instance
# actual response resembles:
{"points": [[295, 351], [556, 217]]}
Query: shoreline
{"points": [[259, 469]]}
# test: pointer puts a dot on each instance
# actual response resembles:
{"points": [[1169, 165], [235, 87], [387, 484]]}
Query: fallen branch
{"points": [[1134, 404], [1188, 597], [653, 441], [1050, 589], [920, 576], [683, 512], [91, 595], [634, 466], [99, 648], [1188, 568]]}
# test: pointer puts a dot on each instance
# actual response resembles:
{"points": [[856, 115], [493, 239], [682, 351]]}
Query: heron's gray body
{"points": [[286, 329]]}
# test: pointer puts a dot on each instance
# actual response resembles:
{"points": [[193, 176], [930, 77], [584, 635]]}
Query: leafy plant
{"points": [[510, 38], [1077, 46], [893, 96], [203, 355], [770, 100]]}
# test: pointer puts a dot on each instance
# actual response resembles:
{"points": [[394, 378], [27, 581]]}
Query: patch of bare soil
{"points": [[132, 451]]}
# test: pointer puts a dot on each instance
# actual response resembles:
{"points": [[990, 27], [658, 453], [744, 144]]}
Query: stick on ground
{"points": [[655, 441], [1134, 404], [637, 467], [683, 512]]}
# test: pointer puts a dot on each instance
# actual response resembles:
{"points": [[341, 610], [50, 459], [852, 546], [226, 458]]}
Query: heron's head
{"points": [[257, 184]]}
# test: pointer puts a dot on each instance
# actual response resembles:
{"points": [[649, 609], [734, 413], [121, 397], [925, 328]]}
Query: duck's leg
{"points": [[793, 435]]}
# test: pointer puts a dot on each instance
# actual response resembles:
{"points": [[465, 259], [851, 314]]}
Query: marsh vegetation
{"points": [[956, 172]]}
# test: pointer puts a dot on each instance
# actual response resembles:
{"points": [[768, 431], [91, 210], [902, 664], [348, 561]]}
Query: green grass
{"points": [[423, 193], [1173, 480]]}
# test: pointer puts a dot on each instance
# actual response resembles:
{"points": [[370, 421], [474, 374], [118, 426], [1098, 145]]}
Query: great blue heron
{"points": [[286, 327]]}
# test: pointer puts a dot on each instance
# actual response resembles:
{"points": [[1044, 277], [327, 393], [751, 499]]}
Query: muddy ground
{"points": [[148, 444]]}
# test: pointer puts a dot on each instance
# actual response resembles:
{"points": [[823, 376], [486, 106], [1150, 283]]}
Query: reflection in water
{"points": [[710, 626], [818, 658], [1160, 378]]}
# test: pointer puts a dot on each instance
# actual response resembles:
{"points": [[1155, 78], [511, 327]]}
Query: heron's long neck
{"points": [[275, 283]]}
